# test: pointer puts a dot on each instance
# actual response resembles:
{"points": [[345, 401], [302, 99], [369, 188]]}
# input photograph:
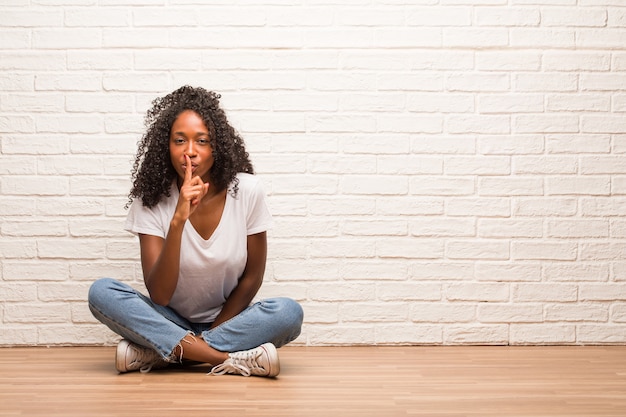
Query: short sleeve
{"points": [[259, 218], [144, 220]]}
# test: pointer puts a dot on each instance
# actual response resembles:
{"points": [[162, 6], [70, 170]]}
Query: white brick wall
{"points": [[440, 172]]}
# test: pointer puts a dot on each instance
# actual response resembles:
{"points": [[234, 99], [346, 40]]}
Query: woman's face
{"points": [[190, 136]]}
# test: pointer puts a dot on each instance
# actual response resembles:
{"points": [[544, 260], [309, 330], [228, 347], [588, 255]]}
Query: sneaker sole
{"points": [[272, 355]]}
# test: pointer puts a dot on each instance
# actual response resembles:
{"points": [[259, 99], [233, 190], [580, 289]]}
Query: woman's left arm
{"points": [[250, 281]]}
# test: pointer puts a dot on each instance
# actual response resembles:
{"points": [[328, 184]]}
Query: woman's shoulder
{"points": [[247, 181]]}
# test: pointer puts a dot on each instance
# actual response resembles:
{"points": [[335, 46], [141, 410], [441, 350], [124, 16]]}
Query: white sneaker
{"points": [[260, 361], [132, 357]]}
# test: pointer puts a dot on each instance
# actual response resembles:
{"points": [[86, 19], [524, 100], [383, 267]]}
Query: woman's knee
{"points": [[100, 290], [289, 311]]}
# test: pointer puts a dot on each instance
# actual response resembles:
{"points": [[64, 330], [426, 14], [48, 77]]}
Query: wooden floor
{"points": [[326, 382]]}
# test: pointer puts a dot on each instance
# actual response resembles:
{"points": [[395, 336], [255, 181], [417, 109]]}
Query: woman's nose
{"points": [[191, 149]]}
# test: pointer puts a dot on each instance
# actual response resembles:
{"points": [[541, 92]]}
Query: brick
{"points": [[579, 143], [321, 312], [545, 82], [546, 38], [505, 228], [476, 334], [33, 313], [98, 186], [600, 333], [35, 228], [591, 185], [410, 334], [544, 250], [31, 18], [388, 144], [32, 103], [545, 123], [62, 291], [600, 38], [427, 226], [17, 124], [480, 292], [602, 124], [549, 165], [308, 270], [510, 186], [45, 186], [69, 206], [577, 313], [344, 248], [587, 228], [18, 292], [67, 38], [404, 291], [382, 269], [578, 102], [542, 334], [409, 248], [343, 334], [69, 123], [378, 228], [90, 271], [507, 16], [97, 227], [122, 250], [543, 206], [70, 248], [491, 207], [544, 292], [578, 272], [478, 82], [15, 39], [99, 60], [450, 270], [456, 144], [301, 102], [18, 165], [510, 313], [409, 205], [477, 249], [441, 186], [440, 102], [12, 248], [475, 37], [16, 206], [602, 292], [442, 312], [508, 272], [477, 165], [373, 312], [351, 164], [373, 185], [341, 206]]}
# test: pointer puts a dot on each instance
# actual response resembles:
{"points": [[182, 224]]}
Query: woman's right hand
{"points": [[192, 191]]}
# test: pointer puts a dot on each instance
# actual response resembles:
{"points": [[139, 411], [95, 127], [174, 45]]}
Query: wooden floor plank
{"points": [[326, 381]]}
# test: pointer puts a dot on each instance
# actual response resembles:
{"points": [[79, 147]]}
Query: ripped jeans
{"points": [[135, 317]]}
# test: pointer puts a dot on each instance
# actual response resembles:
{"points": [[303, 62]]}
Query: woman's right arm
{"points": [[160, 258]]}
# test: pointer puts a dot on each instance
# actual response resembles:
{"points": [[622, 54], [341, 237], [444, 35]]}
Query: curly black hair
{"points": [[153, 172]]}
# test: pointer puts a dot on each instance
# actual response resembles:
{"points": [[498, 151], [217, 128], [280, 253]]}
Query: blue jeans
{"points": [[135, 317]]}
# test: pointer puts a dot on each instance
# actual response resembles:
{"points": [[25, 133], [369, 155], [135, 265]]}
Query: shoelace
{"points": [[244, 365], [144, 359]]}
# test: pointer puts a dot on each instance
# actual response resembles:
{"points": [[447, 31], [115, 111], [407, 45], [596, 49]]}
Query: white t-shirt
{"points": [[209, 269]]}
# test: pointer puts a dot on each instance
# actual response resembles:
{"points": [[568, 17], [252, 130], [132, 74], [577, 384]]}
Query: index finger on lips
{"points": [[187, 168]]}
